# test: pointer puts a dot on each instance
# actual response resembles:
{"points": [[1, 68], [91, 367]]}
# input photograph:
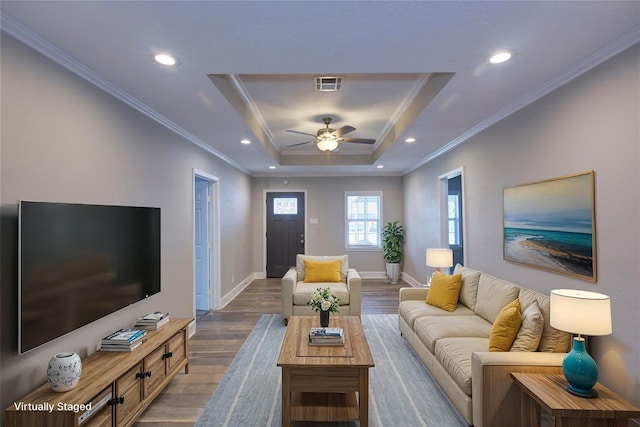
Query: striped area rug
{"points": [[401, 391]]}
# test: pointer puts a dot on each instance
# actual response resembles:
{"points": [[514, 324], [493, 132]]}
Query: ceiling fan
{"points": [[327, 139]]}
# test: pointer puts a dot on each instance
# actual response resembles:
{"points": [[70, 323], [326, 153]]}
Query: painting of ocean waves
{"points": [[552, 249], [550, 225]]}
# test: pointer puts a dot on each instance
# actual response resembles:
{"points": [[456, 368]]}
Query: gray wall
{"points": [[65, 140], [325, 202], [592, 123]]}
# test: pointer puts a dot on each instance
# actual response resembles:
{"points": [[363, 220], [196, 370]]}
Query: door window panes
{"points": [[285, 206]]}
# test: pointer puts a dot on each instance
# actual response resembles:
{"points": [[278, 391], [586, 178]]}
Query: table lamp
{"points": [[439, 258], [580, 312]]}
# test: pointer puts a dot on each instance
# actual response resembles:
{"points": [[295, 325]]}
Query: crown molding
{"points": [[582, 67], [51, 51]]}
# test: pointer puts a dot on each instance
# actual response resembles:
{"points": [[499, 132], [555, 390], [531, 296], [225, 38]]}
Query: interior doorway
{"points": [[452, 214], [206, 250], [285, 230]]}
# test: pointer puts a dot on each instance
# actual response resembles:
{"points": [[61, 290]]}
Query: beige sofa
{"points": [[454, 346], [296, 292]]}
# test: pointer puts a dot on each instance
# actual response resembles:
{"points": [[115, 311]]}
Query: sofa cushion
{"points": [[469, 288], [552, 340], [505, 328], [344, 266], [430, 329], [530, 332], [444, 291], [493, 295], [322, 271], [302, 291], [454, 354], [413, 309]]}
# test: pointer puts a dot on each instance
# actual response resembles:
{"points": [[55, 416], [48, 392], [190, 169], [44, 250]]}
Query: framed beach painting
{"points": [[550, 225]]}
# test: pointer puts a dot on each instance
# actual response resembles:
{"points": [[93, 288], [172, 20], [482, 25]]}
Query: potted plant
{"points": [[392, 240]]}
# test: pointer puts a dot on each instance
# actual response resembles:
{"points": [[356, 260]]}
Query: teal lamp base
{"points": [[580, 370]]}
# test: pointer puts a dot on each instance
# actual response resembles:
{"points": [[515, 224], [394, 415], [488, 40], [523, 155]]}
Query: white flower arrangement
{"points": [[325, 300]]}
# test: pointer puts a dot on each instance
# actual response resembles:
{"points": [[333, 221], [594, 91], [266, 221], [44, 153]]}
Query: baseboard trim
{"points": [[411, 281], [371, 274], [229, 296]]}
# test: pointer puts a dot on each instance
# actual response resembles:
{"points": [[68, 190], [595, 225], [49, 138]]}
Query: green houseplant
{"points": [[392, 241]]}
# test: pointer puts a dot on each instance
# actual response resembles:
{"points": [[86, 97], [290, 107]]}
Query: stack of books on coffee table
{"points": [[124, 340], [326, 336], [152, 321]]}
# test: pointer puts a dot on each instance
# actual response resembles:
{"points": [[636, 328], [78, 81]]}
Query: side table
{"points": [[548, 392]]}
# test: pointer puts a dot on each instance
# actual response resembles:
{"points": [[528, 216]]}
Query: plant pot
{"points": [[393, 272]]}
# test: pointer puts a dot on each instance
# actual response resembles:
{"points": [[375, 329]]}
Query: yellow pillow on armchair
{"points": [[444, 291], [322, 271]]}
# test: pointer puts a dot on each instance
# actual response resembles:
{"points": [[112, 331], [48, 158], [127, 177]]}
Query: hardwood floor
{"points": [[220, 334]]}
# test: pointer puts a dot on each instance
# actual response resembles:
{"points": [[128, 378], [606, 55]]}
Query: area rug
{"points": [[402, 393]]}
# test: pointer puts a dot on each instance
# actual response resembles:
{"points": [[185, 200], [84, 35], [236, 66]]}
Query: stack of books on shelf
{"points": [[152, 321], [124, 340], [326, 336]]}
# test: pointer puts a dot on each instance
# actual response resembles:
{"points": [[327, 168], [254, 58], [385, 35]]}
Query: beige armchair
{"points": [[296, 292]]}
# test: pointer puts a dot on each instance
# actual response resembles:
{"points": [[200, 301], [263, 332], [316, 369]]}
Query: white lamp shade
{"points": [[580, 312], [439, 257]]}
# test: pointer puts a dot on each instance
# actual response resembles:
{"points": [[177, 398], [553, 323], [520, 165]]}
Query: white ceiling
{"points": [[411, 69]]}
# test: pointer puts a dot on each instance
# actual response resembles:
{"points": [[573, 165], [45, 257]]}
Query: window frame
{"points": [[356, 247]]}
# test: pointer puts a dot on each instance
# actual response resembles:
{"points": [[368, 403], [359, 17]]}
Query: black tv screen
{"points": [[79, 263]]}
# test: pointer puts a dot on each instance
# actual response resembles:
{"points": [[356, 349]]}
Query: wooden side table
{"points": [[548, 392]]}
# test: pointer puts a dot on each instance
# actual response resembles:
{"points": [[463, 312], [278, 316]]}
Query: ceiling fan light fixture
{"points": [[327, 144]]}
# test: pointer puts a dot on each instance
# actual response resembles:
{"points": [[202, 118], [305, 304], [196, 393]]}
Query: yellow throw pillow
{"points": [[444, 291], [322, 271], [505, 327]]}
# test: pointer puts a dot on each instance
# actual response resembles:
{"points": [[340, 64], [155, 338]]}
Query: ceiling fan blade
{"points": [[301, 133], [300, 143], [358, 140], [344, 129]]}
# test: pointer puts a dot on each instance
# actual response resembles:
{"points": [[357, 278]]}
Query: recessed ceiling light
{"points": [[272, 167], [500, 57], [165, 59], [380, 166], [410, 140], [245, 141]]}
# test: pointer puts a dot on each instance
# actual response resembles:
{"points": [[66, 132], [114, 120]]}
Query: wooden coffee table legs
{"points": [[325, 394]]}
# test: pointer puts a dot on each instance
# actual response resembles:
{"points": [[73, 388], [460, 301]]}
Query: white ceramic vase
{"points": [[64, 371]]}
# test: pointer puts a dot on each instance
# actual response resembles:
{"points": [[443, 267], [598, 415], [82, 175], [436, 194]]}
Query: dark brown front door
{"points": [[285, 231]]}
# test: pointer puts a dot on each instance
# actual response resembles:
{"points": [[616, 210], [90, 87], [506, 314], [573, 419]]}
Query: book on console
{"points": [[123, 347], [152, 318], [152, 326], [125, 335]]}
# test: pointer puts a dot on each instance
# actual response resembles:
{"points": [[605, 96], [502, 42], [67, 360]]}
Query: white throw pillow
{"points": [[530, 332]]}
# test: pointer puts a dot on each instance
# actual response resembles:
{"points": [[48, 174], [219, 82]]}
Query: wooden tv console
{"points": [[114, 388]]}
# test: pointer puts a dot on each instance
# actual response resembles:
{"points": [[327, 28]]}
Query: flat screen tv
{"points": [[78, 263]]}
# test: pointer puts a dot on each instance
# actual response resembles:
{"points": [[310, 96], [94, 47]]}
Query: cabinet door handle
{"points": [[167, 355], [139, 375], [115, 401], [147, 374]]}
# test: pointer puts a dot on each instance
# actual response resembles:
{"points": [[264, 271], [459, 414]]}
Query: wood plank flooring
{"points": [[218, 338]]}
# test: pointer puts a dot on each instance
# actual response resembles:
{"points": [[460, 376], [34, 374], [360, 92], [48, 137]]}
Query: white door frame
{"points": [[214, 237], [443, 193], [264, 222]]}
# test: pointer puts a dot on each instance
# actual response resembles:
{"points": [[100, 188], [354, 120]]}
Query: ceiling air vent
{"points": [[328, 84]]}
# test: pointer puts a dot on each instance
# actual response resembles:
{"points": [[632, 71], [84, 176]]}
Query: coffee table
{"points": [[325, 383]]}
